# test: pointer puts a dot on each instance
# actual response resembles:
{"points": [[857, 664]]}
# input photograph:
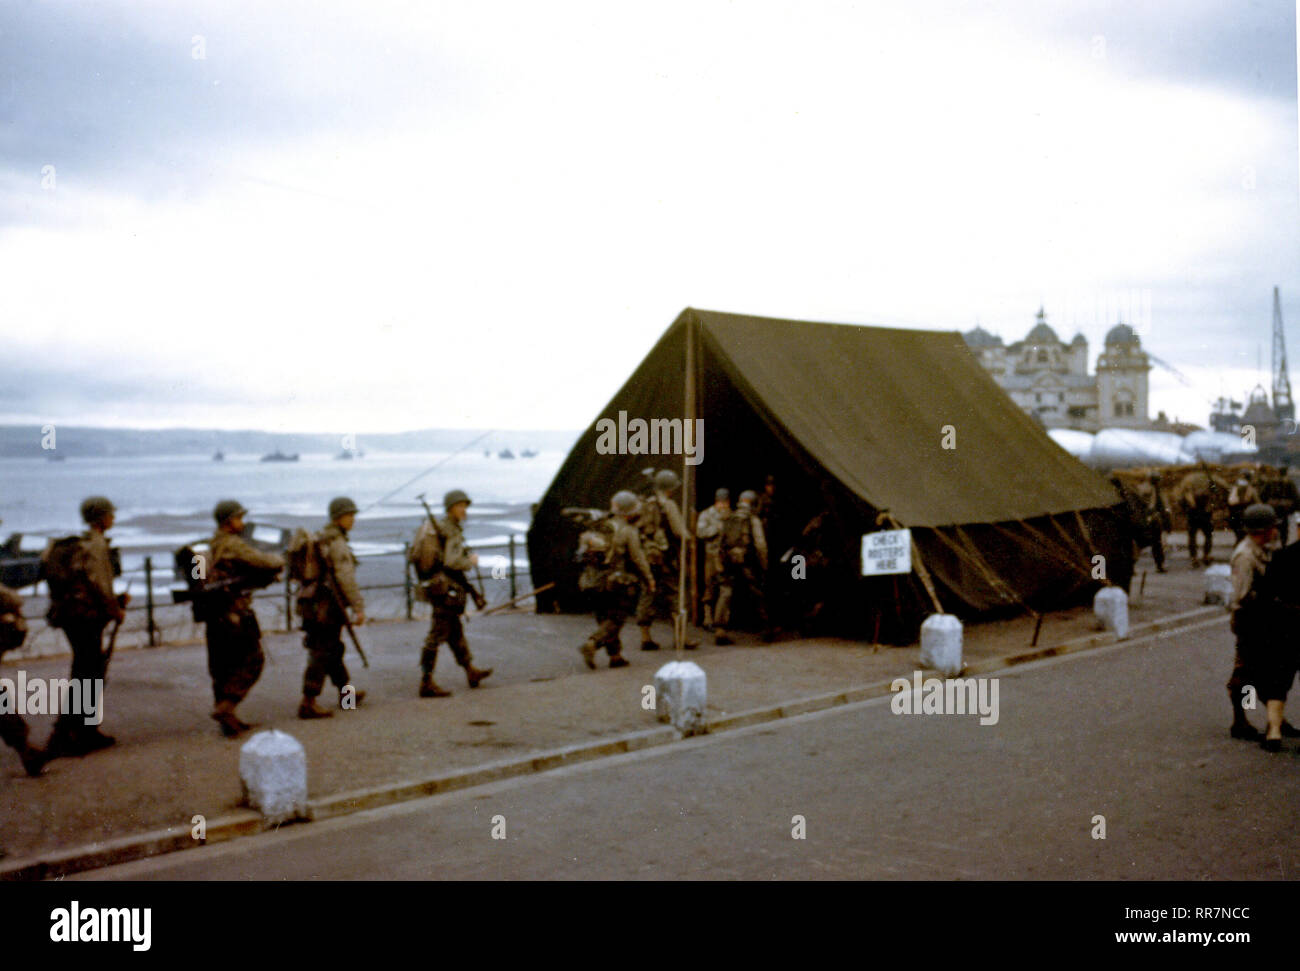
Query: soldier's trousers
{"points": [[13, 731], [235, 657], [1203, 525], [447, 628], [86, 639], [612, 612], [1154, 538], [324, 643], [730, 580], [662, 602]]}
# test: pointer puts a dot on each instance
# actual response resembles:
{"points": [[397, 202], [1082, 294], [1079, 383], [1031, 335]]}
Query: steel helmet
{"points": [[1259, 517], [453, 497], [226, 509], [625, 503], [341, 507], [666, 479]]}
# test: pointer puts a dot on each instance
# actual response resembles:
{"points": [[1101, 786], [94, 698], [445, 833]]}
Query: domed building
{"points": [[1049, 378]]}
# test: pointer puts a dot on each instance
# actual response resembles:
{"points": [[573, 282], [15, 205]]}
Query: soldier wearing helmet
{"points": [[744, 564], [324, 618], [663, 535], [708, 527], [82, 603], [441, 557], [234, 638], [626, 569], [1251, 624]]}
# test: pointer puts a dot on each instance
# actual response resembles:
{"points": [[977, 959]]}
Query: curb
{"points": [[248, 822]]}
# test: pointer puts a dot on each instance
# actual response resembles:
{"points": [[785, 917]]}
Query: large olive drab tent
{"points": [[871, 425]]}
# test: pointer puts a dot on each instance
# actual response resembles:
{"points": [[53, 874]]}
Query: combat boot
{"points": [[474, 675], [588, 651], [430, 689], [721, 638], [34, 759], [1243, 729], [309, 709], [619, 661], [647, 642], [223, 713]]}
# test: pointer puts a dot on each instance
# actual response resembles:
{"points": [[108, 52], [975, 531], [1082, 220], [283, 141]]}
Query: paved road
{"points": [[1135, 733]]}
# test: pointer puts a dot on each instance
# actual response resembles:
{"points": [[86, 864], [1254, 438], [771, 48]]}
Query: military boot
{"points": [[34, 759], [309, 709], [430, 689], [1243, 729], [474, 675], [588, 652], [647, 643], [619, 661], [223, 713]]}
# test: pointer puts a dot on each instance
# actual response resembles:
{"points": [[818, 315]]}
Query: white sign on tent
{"points": [[887, 551]]}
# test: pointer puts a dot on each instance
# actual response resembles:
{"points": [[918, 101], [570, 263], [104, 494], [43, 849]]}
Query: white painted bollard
{"points": [[681, 694], [941, 644], [1218, 584], [1111, 607], [273, 769]]}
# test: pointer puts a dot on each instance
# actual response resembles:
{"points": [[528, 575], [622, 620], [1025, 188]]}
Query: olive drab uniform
{"points": [[662, 532], [1155, 520], [626, 570], [708, 527], [434, 552], [234, 639], [82, 608], [13, 730], [1249, 561], [1196, 495], [1242, 494], [743, 551], [1280, 492], [323, 616]]}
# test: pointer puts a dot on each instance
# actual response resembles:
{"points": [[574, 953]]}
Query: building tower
{"points": [[1283, 406]]}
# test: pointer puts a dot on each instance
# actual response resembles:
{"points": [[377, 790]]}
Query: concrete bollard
{"points": [[681, 694], [1111, 607], [941, 644], [1218, 584], [273, 770]]}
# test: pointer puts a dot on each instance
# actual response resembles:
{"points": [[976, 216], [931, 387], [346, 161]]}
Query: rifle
{"points": [[331, 584], [112, 637], [510, 603], [457, 576]]}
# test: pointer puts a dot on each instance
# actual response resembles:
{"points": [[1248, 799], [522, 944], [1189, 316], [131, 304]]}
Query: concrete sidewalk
{"points": [[171, 763]]}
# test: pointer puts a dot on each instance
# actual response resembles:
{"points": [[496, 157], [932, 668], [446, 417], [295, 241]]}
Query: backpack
{"points": [[302, 557], [188, 561], [737, 536], [63, 569], [595, 545]]}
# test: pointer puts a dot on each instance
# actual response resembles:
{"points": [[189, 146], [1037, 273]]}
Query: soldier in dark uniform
{"points": [[324, 617], [663, 536], [1251, 622], [1196, 494], [439, 553], [83, 607], [234, 639], [625, 570], [1154, 520], [744, 563], [13, 730], [1279, 491], [1241, 497]]}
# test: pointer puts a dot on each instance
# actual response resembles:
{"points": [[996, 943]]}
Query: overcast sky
{"points": [[383, 215]]}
